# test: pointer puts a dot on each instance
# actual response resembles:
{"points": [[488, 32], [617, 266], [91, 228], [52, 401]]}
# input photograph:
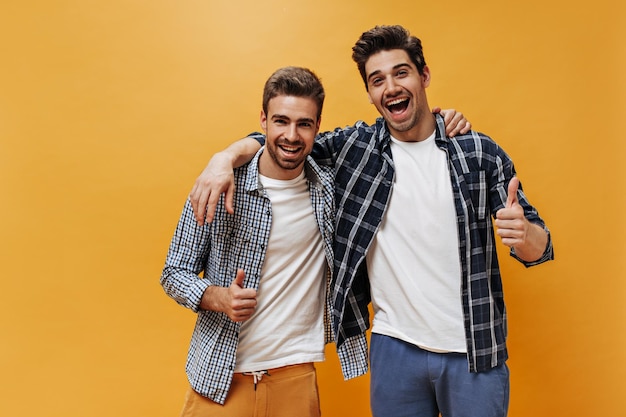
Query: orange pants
{"points": [[286, 392]]}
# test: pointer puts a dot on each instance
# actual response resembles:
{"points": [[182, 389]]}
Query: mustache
{"points": [[287, 142]]}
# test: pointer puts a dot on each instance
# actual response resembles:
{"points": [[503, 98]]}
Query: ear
{"points": [[369, 97], [317, 125], [263, 121], [426, 76]]}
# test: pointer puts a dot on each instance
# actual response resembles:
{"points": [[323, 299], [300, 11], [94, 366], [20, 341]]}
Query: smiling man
{"points": [[263, 296], [415, 236]]}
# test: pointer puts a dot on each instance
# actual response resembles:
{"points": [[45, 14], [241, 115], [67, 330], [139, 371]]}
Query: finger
{"points": [[198, 203], [436, 110], [448, 116], [511, 197], [245, 304], [242, 315], [194, 191], [193, 197], [210, 205], [511, 237], [466, 128], [243, 310], [230, 195], [453, 122], [509, 242], [239, 278], [498, 217], [461, 127], [453, 130]]}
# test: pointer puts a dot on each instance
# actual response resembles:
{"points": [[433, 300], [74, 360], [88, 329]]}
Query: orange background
{"points": [[109, 110]]}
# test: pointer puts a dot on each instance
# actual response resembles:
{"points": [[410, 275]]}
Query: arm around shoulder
{"points": [[217, 178]]}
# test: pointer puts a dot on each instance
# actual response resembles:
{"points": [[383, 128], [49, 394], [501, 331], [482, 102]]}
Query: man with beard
{"points": [[262, 300]]}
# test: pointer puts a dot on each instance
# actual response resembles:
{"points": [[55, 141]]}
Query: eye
{"points": [[403, 73], [377, 81], [305, 124]]}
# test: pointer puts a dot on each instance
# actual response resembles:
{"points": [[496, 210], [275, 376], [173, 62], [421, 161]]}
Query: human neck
{"points": [[418, 133]]}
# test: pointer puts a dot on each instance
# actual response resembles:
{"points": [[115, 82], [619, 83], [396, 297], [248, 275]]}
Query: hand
{"points": [[216, 179], [237, 302], [511, 223], [455, 121]]}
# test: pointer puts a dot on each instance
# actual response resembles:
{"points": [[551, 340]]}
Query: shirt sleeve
{"points": [[328, 145], [258, 136], [500, 178], [185, 260]]}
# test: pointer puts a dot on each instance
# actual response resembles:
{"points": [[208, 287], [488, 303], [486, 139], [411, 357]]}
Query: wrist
{"points": [[227, 156], [210, 299]]}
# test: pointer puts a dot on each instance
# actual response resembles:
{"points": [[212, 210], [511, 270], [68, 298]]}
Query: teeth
{"points": [[396, 101]]}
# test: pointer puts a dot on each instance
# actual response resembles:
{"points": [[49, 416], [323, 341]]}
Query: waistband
{"points": [[276, 373]]}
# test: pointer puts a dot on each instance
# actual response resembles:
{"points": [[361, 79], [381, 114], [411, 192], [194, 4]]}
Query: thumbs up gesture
{"points": [[510, 221], [237, 302]]}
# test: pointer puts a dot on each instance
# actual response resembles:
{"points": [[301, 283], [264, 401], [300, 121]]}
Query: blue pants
{"points": [[407, 381]]}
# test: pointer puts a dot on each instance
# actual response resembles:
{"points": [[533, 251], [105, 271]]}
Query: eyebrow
{"points": [[282, 116], [395, 67]]}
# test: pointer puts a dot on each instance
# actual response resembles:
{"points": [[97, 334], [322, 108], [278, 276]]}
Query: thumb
{"points": [[511, 197], [238, 281]]}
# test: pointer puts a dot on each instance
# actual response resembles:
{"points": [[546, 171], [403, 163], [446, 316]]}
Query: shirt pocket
{"points": [[231, 248]]}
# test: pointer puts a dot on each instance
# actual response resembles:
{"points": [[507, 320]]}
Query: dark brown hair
{"points": [[385, 38]]}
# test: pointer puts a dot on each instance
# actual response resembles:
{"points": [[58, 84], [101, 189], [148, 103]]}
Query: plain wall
{"points": [[109, 111]]}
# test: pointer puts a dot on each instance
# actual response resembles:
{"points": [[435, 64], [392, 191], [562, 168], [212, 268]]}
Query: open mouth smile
{"points": [[397, 105]]}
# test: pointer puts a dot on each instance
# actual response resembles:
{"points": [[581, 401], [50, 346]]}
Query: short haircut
{"points": [[385, 38], [297, 82]]}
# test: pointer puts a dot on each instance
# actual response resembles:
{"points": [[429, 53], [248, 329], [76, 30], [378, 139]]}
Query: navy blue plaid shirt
{"points": [[479, 172], [220, 248]]}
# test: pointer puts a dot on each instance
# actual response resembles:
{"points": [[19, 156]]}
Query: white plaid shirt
{"points": [[218, 249]]}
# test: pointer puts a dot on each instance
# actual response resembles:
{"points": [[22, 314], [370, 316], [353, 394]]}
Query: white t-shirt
{"points": [[287, 327], [413, 264]]}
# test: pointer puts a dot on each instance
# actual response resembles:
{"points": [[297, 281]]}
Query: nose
{"points": [[291, 132], [391, 86]]}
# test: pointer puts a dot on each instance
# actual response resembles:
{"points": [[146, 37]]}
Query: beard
{"points": [[283, 159]]}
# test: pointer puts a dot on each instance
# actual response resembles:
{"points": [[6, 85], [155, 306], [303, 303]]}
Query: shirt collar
{"points": [[384, 137], [312, 172]]}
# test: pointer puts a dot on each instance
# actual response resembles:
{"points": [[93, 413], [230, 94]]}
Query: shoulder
{"points": [[477, 151], [476, 144], [354, 130], [472, 139]]}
